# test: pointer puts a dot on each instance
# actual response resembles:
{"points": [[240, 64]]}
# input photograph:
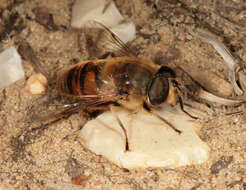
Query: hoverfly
{"points": [[127, 81]]}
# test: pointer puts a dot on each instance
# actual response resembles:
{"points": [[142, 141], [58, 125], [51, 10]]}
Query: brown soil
{"points": [[36, 156]]}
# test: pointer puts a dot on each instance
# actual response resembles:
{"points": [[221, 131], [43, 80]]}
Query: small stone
{"points": [[80, 180], [94, 10], [189, 37], [84, 11], [43, 17], [182, 36], [126, 32], [36, 84], [10, 67], [222, 163]]}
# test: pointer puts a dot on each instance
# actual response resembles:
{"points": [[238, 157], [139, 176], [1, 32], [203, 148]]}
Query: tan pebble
{"points": [[36, 84], [80, 180], [182, 36]]}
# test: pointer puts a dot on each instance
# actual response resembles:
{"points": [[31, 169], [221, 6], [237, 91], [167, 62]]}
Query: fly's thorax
{"points": [[130, 75]]}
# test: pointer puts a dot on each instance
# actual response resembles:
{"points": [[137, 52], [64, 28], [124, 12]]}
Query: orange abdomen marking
{"points": [[90, 86], [79, 80]]}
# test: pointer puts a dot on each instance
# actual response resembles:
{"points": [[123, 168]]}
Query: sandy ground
{"points": [[53, 157]]}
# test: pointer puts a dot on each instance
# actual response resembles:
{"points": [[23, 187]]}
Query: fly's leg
{"points": [[145, 106], [182, 108], [122, 127]]}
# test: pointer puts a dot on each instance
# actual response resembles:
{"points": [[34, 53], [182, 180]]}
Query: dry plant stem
{"points": [[218, 100], [107, 3], [205, 95], [232, 78], [199, 108], [242, 79], [28, 53], [225, 54], [212, 80]]}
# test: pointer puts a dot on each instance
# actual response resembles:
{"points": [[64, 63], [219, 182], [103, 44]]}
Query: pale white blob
{"points": [[84, 11], [126, 32], [10, 67], [152, 143]]}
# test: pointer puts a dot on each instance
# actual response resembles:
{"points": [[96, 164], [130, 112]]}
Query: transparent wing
{"points": [[55, 109], [102, 41], [44, 111]]}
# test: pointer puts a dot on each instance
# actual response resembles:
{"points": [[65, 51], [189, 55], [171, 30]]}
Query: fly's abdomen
{"points": [[79, 80]]}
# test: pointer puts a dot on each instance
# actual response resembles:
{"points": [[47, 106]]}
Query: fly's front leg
{"points": [[145, 106], [122, 127]]}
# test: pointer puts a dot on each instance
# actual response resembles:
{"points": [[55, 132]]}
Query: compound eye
{"points": [[158, 90]]}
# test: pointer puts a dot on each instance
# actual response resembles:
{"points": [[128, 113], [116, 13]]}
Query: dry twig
{"points": [[225, 54]]}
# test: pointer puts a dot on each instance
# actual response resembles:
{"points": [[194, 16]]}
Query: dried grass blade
{"points": [[218, 100], [212, 39]]}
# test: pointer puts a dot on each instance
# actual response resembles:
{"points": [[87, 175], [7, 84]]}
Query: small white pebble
{"points": [[21, 138], [10, 67], [189, 37], [126, 32], [36, 84], [83, 11], [87, 172], [235, 120]]}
